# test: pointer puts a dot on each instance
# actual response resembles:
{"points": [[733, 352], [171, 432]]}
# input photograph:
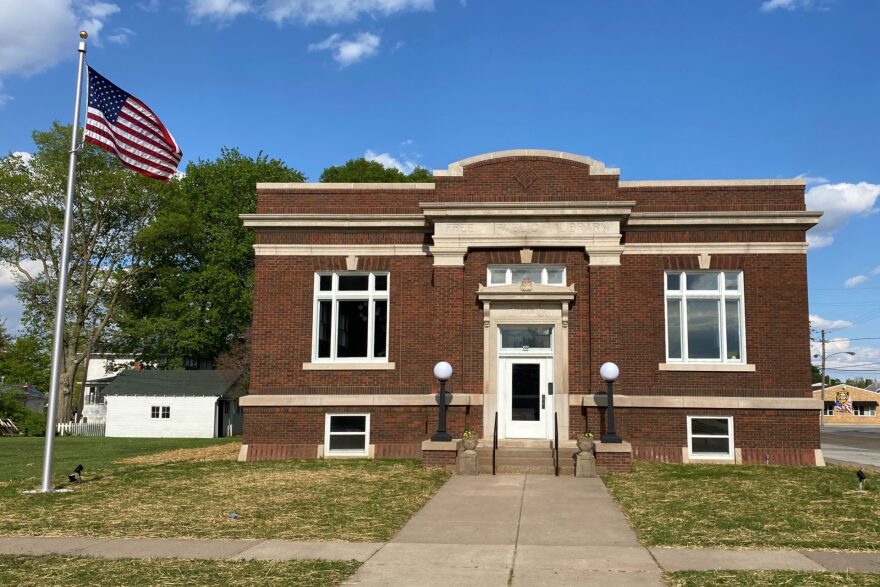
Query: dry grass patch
{"points": [[749, 506], [207, 454], [68, 570], [359, 501], [768, 579]]}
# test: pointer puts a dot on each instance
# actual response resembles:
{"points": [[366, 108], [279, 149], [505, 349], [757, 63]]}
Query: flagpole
{"points": [[60, 306]]}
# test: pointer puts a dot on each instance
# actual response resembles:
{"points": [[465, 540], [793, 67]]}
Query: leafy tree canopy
{"points": [[194, 299], [111, 206], [364, 171], [26, 360]]}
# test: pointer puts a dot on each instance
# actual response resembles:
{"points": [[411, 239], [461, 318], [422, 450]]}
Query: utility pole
{"points": [[822, 412]]}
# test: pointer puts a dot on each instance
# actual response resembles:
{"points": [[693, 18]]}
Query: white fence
{"points": [[80, 429]]}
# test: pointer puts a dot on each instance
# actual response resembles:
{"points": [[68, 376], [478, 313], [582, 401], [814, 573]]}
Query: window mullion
{"points": [[371, 326], [334, 324], [684, 321]]}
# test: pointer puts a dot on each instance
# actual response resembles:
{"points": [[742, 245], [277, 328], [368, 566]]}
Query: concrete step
{"points": [[516, 452], [522, 443]]}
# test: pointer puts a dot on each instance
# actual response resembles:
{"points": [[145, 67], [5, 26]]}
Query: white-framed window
{"points": [[160, 412], [347, 434], [512, 274], [705, 319], [829, 408], [351, 317], [710, 437], [864, 409]]}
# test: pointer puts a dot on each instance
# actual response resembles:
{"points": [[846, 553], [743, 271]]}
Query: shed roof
{"points": [[29, 391], [154, 383]]}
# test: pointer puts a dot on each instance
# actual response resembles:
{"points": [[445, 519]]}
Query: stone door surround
{"points": [[524, 304]]}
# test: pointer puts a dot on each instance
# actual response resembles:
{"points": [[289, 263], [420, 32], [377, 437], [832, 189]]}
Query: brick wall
{"points": [[780, 436], [618, 313]]}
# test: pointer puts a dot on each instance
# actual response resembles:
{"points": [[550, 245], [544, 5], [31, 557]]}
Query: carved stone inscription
{"points": [[526, 228]]}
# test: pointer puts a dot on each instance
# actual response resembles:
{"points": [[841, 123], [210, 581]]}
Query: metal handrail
{"points": [[494, 442], [555, 443]]}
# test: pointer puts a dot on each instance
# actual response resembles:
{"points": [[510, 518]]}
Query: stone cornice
{"points": [[335, 221], [774, 219], [455, 399], [456, 169], [337, 187], [531, 211], [715, 248], [695, 402], [361, 250], [711, 183]]}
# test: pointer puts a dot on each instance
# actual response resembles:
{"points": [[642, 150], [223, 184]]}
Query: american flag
{"points": [[122, 125]]}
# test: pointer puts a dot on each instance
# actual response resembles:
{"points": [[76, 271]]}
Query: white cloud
{"points": [[402, 164], [349, 51], [875, 270], [854, 281], [840, 348], [23, 155], [336, 11], [37, 34], [813, 180], [771, 5], [219, 10], [10, 275], [820, 323], [839, 202], [121, 35]]}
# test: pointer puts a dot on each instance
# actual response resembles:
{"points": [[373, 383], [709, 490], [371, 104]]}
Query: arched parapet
{"points": [[456, 169]]}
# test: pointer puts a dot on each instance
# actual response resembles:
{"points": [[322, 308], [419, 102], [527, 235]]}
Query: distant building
{"points": [[862, 408], [30, 396], [173, 404]]}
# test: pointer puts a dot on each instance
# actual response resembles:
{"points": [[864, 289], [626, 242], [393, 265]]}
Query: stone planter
{"points": [[470, 442], [585, 444]]}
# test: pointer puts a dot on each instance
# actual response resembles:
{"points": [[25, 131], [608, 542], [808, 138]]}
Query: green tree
{"points": [[194, 299], [111, 208], [26, 360], [363, 171]]}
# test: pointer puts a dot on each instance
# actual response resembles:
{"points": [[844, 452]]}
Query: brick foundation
{"points": [[613, 462], [443, 459]]}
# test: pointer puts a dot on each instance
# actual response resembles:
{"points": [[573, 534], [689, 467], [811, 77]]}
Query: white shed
{"points": [[173, 404]]}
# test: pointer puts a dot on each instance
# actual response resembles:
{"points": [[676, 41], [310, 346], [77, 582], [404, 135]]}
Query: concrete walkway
{"points": [[522, 529]]}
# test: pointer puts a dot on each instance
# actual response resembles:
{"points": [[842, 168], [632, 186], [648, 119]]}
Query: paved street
{"points": [[857, 445]]}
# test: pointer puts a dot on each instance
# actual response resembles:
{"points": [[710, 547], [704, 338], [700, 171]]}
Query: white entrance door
{"points": [[527, 407]]}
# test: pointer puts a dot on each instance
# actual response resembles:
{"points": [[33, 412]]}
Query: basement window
{"points": [[710, 437], [350, 317], [347, 435]]}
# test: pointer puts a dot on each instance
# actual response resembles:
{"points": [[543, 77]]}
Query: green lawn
{"points": [[21, 458], [768, 579], [749, 506], [190, 493], [69, 570]]}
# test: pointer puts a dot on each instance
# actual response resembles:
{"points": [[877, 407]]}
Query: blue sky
{"points": [[663, 90]]}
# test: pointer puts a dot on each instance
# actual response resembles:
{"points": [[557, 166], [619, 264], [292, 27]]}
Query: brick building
{"points": [[526, 270]]}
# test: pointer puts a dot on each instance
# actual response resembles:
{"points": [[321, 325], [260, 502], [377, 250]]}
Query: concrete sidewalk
{"points": [[526, 530], [188, 549]]}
